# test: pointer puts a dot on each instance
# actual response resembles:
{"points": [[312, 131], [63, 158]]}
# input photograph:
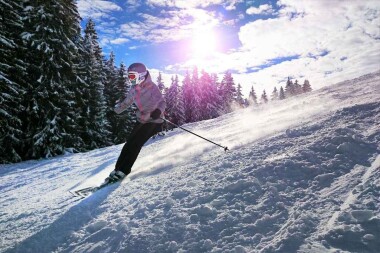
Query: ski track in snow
{"points": [[303, 175]]}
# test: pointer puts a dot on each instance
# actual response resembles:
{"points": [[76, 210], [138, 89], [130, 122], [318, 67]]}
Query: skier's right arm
{"points": [[123, 105]]}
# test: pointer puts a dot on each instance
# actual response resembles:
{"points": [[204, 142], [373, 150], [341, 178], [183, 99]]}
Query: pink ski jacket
{"points": [[147, 97]]}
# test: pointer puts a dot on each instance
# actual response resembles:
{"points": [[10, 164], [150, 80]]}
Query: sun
{"points": [[203, 43]]}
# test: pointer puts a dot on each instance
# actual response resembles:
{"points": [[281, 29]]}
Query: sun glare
{"points": [[203, 43]]}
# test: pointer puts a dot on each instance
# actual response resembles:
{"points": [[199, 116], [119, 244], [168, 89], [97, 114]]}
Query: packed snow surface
{"points": [[302, 175]]}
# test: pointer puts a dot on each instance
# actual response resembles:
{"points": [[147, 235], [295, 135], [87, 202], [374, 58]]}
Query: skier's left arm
{"points": [[161, 105]]}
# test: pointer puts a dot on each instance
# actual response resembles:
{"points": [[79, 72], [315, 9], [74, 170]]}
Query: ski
{"points": [[87, 191]]}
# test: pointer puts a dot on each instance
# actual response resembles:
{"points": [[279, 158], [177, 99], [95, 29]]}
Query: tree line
{"points": [[204, 97], [58, 91], [291, 89]]}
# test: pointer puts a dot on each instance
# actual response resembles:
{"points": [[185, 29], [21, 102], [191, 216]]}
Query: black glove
{"points": [[155, 114]]}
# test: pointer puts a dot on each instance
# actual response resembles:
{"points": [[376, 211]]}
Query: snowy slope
{"points": [[302, 175]]}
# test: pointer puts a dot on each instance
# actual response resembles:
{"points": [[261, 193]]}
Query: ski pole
{"points": [[225, 148]]}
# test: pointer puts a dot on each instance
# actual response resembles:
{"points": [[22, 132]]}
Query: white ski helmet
{"points": [[137, 73]]}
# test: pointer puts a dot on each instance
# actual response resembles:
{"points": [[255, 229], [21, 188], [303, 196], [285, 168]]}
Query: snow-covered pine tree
{"points": [[197, 96], [210, 100], [264, 97], [72, 140], [160, 83], [227, 91], [297, 88], [50, 30], [216, 98], [180, 112], [175, 111], [187, 90], [170, 98], [122, 124], [191, 96], [239, 96], [96, 133], [81, 91], [275, 95], [12, 76], [289, 88], [281, 95], [252, 98], [306, 87], [111, 93]]}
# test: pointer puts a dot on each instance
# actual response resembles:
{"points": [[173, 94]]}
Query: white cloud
{"points": [[133, 47], [262, 9], [231, 4], [330, 40], [228, 5], [119, 41], [96, 9], [186, 4], [169, 26]]}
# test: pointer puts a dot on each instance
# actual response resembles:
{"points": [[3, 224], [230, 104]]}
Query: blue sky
{"points": [[260, 42]]}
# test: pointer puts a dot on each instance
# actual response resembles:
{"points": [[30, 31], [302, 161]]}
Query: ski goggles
{"points": [[132, 75], [136, 77]]}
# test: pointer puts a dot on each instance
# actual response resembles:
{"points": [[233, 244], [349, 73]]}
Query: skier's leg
{"points": [[126, 147], [140, 134]]}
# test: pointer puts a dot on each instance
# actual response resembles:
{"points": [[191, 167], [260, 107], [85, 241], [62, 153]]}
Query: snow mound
{"points": [[302, 175]]}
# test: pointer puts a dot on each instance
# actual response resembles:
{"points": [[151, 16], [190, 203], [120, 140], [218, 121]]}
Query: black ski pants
{"points": [[139, 135]]}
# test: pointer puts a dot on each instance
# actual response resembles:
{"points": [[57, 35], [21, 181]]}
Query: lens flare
{"points": [[203, 43]]}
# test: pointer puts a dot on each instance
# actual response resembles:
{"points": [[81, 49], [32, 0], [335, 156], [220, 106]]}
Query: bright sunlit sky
{"points": [[260, 42]]}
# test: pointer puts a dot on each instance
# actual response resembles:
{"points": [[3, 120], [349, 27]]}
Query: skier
{"points": [[151, 106]]}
